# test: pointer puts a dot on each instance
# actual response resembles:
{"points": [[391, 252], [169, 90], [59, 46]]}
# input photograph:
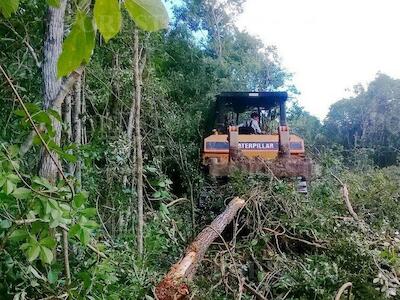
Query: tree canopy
{"points": [[369, 120], [104, 108]]}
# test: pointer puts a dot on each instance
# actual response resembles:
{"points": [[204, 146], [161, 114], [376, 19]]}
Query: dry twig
{"points": [[345, 193], [343, 288], [277, 233]]}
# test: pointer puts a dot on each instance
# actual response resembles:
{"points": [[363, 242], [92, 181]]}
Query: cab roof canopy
{"points": [[242, 101]]}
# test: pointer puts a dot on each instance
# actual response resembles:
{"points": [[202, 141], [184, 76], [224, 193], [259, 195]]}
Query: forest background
{"points": [[101, 185]]}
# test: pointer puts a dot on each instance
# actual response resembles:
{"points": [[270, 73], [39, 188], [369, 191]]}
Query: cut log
{"points": [[174, 285]]}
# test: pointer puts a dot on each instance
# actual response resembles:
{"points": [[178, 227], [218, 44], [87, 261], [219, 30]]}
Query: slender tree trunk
{"points": [[77, 128], [131, 121], [83, 111], [68, 123], [114, 111], [129, 131], [51, 87], [217, 32], [138, 142], [52, 50], [66, 256], [67, 117]]}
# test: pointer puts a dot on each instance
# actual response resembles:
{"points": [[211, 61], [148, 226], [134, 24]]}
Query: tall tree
{"points": [[304, 124], [137, 69], [77, 126], [50, 165], [51, 83], [370, 119]]}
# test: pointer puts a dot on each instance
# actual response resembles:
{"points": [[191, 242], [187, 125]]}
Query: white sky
{"points": [[329, 45]]}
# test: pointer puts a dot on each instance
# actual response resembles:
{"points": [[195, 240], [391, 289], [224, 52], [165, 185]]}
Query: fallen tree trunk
{"points": [[174, 286]]}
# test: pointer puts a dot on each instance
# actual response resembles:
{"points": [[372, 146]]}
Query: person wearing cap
{"points": [[253, 122]]}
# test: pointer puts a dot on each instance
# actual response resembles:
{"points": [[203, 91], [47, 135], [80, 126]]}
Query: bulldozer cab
{"points": [[274, 148], [234, 109]]}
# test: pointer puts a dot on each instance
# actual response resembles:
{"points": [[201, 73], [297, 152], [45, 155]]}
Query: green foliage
{"points": [[8, 7], [304, 124], [182, 74], [83, 230], [304, 271], [54, 3], [159, 182], [33, 209], [315, 279], [79, 200], [149, 15], [368, 120], [78, 46], [374, 194], [107, 15]]}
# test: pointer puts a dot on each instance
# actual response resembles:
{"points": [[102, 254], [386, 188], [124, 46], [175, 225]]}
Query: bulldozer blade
{"points": [[281, 167]]}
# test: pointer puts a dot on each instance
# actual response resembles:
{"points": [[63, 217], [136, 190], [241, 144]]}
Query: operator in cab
{"points": [[253, 123]]}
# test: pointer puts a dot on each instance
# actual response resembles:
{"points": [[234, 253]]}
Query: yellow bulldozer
{"points": [[234, 146]]}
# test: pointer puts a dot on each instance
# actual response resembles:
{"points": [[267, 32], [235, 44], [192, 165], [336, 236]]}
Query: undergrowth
{"points": [[282, 245], [289, 246]]}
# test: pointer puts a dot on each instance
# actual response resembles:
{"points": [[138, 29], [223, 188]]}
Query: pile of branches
{"points": [[284, 244], [260, 239]]}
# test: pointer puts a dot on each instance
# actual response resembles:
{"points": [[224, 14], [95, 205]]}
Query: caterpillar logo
{"points": [[258, 146], [252, 145]]}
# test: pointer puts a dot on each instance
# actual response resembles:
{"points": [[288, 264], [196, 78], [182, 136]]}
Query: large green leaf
{"points": [[18, 235], [52, 276], [74, 230], [46, 255], [54, 114], [4, 224], [8, 187], [43, 182], [42, 117], [84, 236], [48, 242], [67, 156], [90, 224], [54, 223], [22, 193], [108, 18], [8, 7], [149, 15], [13, 178], [33, 252], [89, 212], [79, 199], [78, 46]]}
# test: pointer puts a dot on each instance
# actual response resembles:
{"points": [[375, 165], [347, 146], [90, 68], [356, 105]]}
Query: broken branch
{"points": [[343, 288], [173, 285]]}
